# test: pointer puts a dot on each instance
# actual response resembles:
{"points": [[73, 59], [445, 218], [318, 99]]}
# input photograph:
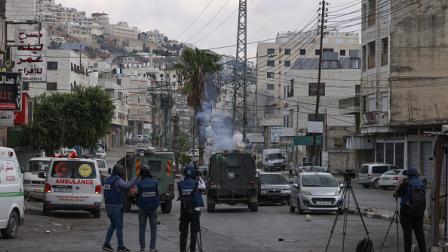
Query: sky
{"points": [[172, 17]]}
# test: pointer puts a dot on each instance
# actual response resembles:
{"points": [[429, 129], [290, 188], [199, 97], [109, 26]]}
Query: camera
{"points": [[349, 174]]}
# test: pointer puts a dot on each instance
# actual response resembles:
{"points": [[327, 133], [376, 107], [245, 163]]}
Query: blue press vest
{"points": [[112, 195], [191, 185], [406, 195], [148, 194]]}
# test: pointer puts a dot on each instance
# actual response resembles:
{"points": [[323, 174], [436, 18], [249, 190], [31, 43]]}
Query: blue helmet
{"points": [[411, 172], [190, 171]]}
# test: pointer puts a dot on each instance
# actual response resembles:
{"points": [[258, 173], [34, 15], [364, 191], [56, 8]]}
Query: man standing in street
{"points": [[148, 200], [114, 187], [190, 210], [412, 192], [291, 170]]}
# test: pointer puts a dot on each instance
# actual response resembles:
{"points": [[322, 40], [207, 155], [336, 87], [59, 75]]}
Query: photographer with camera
{"points": [[412, 193]]}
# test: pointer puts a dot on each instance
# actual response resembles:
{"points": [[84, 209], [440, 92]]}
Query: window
{"points": [[380, 169], [270, 74], [371, 103], [52, 86], [317, 52], [384, 102], [287, 51], [312, 117], [73, 169], [354, 63], [342, 52], [71, 67], [364, 17], [384, 51], [270, 86], [271, 63], [379, 150], [291, 90], [371, 16], [26, 86], [399, 154], [328, 50], [287, 63], [302, 51], [312, 89], [389, 153], [357, 89], [270, 51], [52, 65], [371, 51], [38, 166], [364, 58], [119, 82], [286, 121]]}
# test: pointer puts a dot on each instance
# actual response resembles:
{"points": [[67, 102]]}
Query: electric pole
{"points": [[240, 71], [323, 9]]}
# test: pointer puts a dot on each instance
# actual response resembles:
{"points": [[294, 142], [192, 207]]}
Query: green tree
{"points": [[79, 118], [193, 67]]}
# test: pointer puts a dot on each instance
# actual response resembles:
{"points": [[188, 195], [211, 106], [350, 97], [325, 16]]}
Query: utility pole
{"points": [[319, 75], [296, 147], [240, 71]]}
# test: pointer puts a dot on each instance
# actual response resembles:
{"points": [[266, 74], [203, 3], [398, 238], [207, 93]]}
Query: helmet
{"points": [[145, 171], [118, 170], [190, 171], [411, 172]]}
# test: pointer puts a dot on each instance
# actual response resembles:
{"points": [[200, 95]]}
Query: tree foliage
{"points": [[79, 118]]}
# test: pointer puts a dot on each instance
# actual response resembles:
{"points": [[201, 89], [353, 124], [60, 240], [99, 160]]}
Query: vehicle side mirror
{"points": [[295, 185], [42, 175]]}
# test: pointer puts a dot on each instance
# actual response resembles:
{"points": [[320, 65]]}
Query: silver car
{"points": [[315, 191], [369, 174]]}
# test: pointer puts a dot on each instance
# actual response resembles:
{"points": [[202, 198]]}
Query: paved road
{"points": [[229, 229]]}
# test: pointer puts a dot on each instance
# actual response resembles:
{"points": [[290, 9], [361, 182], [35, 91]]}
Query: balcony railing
{"points": [[376, 118]]}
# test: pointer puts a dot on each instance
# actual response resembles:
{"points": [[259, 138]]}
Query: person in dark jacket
{"points": [[148, 200], [190, 211], [114, 188], [411, 220]]}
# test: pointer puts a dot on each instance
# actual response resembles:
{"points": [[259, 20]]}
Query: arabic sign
{"points": [[10, 91], [315, 127], [29, 56], [307, 140], [6, 119]]}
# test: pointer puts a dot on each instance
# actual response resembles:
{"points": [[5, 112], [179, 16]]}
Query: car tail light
{"points": [[171, 187], [98, 189], [47, 188], [395, 178]]}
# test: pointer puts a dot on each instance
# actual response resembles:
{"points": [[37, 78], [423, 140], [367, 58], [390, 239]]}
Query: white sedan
{"points": [[391, 178]]}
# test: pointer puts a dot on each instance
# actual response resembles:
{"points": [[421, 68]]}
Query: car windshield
{"points": [[231, 160], [273, 179], [319, 181], [392, 172], [275, 156], [101, 163], [38, 166], [73, 169]]}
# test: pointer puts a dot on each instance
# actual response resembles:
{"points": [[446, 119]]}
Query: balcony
{"points": [[375, 118]]}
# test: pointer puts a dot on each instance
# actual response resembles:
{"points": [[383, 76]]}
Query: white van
{"points": [[11, 193], [32, 183], [273, 160], [73, 184]]}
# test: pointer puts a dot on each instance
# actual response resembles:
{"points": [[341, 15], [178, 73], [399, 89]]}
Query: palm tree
{"points": [[193, 68]]}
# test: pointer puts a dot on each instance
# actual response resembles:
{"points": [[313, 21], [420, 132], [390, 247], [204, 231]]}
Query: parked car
{"points": [[315, 191], [393, 178], [102, 166], [369, 174], [100, 153], [310, 168], [274, 187], [33, 185]]}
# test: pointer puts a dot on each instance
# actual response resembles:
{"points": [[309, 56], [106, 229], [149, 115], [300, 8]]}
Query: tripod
{"points": [[347, 190], [395, 217]]}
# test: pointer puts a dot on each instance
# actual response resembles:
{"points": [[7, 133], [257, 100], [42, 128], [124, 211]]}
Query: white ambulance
{"points": [[11, 193], [73, 184]]}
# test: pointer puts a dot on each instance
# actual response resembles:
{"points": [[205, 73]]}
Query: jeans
{"points": [[192, 220], [409, 223], [115, 214], [143, 216]]}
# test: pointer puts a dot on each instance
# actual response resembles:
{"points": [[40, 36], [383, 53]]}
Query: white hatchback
{"points": [[73, 184], [392, 178], [11, 193]]}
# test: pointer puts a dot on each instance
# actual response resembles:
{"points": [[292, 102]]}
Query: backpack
{"points": [[365, 245], [416, 205], [187, 198]]}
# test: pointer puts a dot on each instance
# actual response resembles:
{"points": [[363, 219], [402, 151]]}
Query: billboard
{"points": [[29, 56], [10, 91]]}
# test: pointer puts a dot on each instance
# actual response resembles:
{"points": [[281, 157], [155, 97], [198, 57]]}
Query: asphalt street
{"points": [[228, 229]]}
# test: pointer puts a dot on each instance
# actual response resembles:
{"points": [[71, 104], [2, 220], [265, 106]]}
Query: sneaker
{"points": [[123, 249], [107, 247]]}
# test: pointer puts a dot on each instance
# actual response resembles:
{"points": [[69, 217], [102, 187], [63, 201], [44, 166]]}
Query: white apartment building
{"points": [[122, 31], [287, 76], [66, 69]]}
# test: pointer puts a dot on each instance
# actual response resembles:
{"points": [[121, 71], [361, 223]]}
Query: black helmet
{"points": [[190, 171], [145, 171], [118, 170]]}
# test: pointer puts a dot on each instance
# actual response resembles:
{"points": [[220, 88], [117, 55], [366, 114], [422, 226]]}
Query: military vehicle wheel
{"points": [[166, 206], [11, 229], [253, 206]]}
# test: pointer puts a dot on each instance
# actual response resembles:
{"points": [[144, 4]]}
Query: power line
{"points": [[195, 19]]}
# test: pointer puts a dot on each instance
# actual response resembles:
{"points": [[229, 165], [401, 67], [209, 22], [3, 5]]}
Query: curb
{"points": [[372, 215]]}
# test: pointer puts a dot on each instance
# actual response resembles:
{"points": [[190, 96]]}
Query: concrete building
{"points": [[122, 31], [287, 73], [403, 74], [66, 69]]}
